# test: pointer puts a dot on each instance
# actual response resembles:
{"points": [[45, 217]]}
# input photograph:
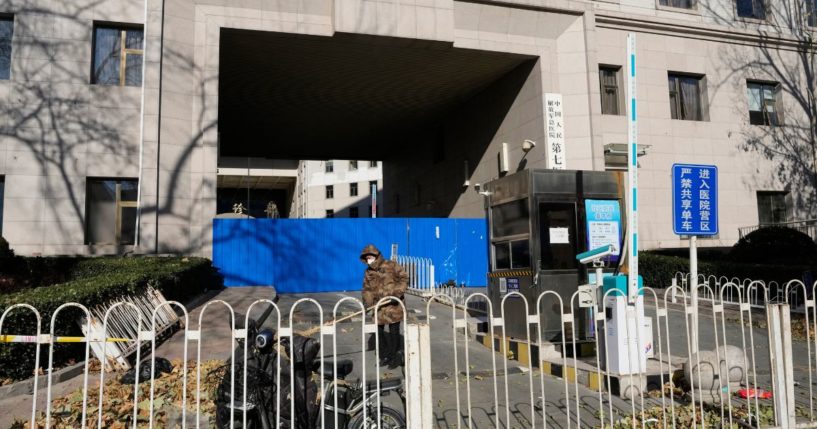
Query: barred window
{"points": [[610, 94]]}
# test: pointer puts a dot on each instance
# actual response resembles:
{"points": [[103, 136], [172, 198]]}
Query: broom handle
{"points": [[315, 329]]}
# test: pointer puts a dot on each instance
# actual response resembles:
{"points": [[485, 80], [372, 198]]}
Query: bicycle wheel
{"points": [[389, 419]]}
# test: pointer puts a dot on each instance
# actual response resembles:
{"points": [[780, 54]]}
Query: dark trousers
{"points": [[390, 343]]}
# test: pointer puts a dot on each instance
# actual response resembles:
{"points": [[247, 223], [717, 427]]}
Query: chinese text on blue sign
{"points": [[695, 199]]}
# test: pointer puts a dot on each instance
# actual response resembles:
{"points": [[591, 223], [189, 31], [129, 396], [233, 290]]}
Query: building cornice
{"points": [[709, 32]]}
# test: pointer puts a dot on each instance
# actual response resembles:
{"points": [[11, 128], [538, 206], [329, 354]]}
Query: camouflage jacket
{"points": [[383, 279]]}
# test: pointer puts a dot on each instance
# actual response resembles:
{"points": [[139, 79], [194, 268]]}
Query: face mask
{"points": [[370, 260]]}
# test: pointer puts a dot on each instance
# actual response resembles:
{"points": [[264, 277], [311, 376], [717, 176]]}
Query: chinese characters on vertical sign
{"points": [[695, 199], [555, 132]]}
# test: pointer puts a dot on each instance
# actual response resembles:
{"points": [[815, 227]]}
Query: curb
{"points": [[26, 387], [574, 372]]}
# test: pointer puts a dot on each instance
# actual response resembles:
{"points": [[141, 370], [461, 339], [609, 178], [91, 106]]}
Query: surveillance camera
{"points": [[527, 145], [477, 187], [596, 254]]}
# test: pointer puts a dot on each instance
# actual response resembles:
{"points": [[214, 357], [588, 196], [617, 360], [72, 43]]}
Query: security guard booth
{"points": [[538, 223]]}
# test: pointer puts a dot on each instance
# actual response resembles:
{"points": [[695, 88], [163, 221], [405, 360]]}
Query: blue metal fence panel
{"points": [[321, 255]]}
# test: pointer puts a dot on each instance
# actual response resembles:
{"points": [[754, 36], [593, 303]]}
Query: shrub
{"points": [[658, 270], [94, 281], [775, 245]]}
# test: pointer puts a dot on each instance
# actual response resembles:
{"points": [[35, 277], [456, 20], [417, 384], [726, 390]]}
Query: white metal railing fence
{"points": [[421, 274], [777, 293], [728, 356]]}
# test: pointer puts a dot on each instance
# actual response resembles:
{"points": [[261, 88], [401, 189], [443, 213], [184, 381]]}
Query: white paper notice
{"points": [[559, 236], [602, 234]]}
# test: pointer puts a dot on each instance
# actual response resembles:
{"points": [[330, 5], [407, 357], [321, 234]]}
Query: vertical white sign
{"points": [[632, 171], [374, 200], [554, 119]]}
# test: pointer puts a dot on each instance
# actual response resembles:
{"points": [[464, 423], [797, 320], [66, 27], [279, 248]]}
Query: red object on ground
{"points": [[751, 393]]}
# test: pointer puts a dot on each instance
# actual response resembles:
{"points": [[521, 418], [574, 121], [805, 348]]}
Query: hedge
{"points": [[658, 270], [95, 281]]}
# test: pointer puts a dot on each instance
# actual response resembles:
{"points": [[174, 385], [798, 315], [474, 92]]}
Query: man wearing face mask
{"points": [[385, 279]]}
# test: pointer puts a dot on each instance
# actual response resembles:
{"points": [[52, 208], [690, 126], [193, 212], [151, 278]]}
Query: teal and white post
{"points": [[632, 172]]}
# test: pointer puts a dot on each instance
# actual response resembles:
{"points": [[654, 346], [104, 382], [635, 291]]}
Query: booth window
{"points": [[110, 212], [512, 254], [502, 256], [511, 218]]}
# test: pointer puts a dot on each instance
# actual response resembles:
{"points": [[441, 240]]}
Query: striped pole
{"points": [[632, 173]]}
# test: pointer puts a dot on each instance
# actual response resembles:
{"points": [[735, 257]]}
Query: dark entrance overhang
{"points": [[293, 96]]}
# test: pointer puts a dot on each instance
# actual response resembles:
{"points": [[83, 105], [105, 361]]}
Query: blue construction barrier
{"points": [[321, 255]]}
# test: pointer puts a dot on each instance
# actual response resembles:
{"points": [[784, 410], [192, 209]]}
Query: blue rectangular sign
{"points": [[603, 225], [694, 199]]}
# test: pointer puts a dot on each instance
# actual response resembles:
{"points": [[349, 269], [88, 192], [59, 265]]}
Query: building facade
{"points": [[338, 188], [116, 115]]}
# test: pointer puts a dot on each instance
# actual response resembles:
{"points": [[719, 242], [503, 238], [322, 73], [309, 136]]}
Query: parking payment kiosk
{"points": [[539, 221]]}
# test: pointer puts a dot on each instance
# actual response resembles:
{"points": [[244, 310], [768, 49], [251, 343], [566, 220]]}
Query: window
{"points": [[609, 77], [754, 9], [110, 211], [373, 183], [763, 103], [811, 5], [330, 213], [511, 218], [6, 30], [118, 56], [682, 4], [330, 167], [771, 207], [2, 193], [352, 165], [685, 95], [330, 192], [354, 212], [372, 164], [512, 254], [353, 189]]}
